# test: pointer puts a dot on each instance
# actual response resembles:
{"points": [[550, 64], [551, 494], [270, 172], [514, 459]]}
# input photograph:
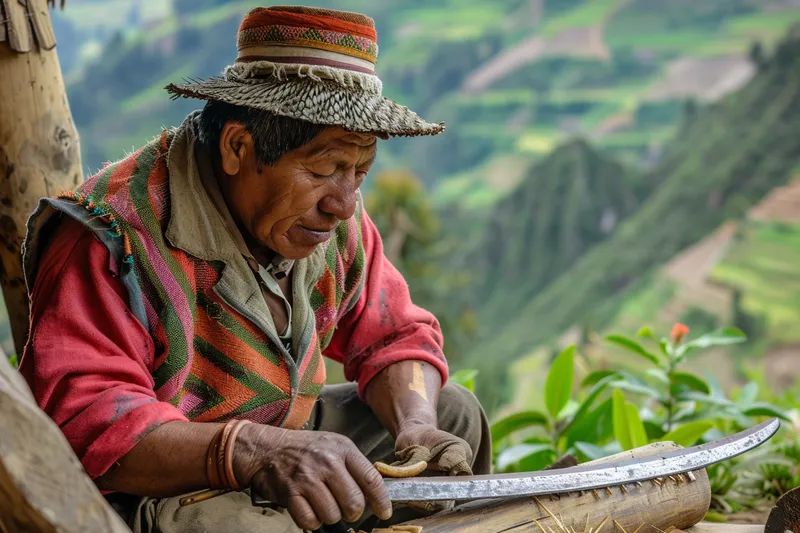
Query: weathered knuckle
{"points": [[373, 479], [353, 508]]}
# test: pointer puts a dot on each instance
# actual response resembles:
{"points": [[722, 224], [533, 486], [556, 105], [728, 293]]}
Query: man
{"points": [[182, 300]]}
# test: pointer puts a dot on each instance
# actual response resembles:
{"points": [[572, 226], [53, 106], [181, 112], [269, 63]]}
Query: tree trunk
{"points": [[43, 488], [651, 506], [39, 150]]}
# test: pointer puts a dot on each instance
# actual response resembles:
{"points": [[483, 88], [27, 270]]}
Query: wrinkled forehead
{"points": [[360, 139], [339, 140]]}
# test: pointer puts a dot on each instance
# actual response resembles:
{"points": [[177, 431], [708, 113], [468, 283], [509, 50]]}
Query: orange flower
{"points": [[679, 331]]}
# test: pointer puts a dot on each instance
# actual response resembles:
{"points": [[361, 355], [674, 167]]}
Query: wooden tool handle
{"points": [[678, 502]]}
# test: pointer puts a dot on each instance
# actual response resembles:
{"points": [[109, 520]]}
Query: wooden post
{"points": [[43, 488], [678, 503], [39, 150]]}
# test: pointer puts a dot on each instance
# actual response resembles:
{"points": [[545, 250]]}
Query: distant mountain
{"points": [[568, 202], [724, 161]]}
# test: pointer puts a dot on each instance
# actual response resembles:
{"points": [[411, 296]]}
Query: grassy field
{"points": [[589, 13], [763, 265]]}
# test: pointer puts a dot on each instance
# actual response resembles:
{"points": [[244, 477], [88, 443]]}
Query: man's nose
{"points": [[341, 202]]}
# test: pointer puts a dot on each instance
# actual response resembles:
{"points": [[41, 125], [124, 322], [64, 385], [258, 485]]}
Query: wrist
{"points": [[416, 421], [253, 441]]}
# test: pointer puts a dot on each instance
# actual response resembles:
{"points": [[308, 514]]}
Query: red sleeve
{"points": [[384, 327], [88, 358]]}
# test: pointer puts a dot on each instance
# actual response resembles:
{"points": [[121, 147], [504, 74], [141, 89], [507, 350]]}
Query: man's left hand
{"points": [[439, 449]]}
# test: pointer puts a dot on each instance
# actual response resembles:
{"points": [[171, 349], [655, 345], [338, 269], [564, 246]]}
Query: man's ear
{"points": [[233, 145]]}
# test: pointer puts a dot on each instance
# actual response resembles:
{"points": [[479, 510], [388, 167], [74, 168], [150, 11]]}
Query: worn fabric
{"points": [[340, 411], [175, 326]]}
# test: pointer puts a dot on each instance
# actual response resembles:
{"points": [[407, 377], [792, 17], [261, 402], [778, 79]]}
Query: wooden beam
{"points": [[39, 151], [43, 488]]}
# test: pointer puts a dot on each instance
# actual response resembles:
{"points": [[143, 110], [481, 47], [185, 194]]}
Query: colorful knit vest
{"points": [[211, 362]]}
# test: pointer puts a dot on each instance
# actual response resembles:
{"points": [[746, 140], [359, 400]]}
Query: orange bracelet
{"points": [[233, 483], [219, 458], [212, 471]]}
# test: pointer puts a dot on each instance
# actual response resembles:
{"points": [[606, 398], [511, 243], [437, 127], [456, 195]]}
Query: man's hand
{"points": [[319, 477], [442, 451]]}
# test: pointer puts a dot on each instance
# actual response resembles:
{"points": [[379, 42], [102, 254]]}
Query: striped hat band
{"points": [[305, 36]]}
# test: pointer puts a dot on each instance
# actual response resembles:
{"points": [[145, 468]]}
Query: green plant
{"points": [[530, 440], [680, 406], [612, 410], [14, 360]]}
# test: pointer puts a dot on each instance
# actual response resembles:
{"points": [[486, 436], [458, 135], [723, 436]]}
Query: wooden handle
{"points": [[678, 502]]}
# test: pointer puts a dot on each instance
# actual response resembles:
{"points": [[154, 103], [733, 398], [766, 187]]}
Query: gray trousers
{"points": [[339, 410]]}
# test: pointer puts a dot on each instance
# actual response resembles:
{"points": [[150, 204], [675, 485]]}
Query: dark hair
{"points": [[273, 135]]}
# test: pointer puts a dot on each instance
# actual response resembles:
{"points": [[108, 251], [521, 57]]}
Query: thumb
{"points": [[455, 461]]}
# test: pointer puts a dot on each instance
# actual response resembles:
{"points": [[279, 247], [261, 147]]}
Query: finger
{"points": [[347, 493], [323, 503], [371, 484], [302, 513]]}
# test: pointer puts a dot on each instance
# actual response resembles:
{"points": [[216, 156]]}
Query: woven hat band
{"points": [[269, 27], [296, 55]]}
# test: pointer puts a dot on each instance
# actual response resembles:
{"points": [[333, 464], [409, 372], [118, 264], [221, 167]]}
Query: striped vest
{"points": [[212, 362]]}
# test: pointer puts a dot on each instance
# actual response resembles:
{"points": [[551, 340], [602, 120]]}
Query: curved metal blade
{"points": [[580, 477]]}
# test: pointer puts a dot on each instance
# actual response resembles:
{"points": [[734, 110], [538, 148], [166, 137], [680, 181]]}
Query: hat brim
{"points": [[317, 101]]}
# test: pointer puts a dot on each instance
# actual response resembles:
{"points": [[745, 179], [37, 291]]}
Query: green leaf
{"points": [[645, 332], [524, 419], [637, 389], [14, 360], [688, 434], [635, 426], [595, 426], [720, 337], [748, 394], [529, 453], [688, 380], [705, 398], [765, 409], [654, 430], [558, 387], [596, 376], [633, 346], [586, 404], [465, 378], [714, 516], [628, 428], [591, 451], [658, 374]]}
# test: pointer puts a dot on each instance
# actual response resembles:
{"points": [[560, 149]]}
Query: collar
{"points": [[200, 222]]}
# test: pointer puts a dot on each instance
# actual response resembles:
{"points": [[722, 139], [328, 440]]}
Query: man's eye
{"points": [[318, 175]]}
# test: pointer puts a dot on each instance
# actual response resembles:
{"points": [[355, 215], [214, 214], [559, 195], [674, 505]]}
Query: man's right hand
{"points": [[319, 477]]}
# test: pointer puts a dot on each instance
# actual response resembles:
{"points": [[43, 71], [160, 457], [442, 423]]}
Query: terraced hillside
{"points": [[726, 160], [512, 78]]}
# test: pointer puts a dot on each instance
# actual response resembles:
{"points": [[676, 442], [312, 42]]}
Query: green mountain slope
{"points": [[725, 160], [568, 202]]}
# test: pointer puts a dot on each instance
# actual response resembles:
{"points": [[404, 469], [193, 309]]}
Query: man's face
{"points": [[295, 205]]}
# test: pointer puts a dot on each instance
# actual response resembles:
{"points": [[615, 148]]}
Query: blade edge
{"points": [[581, 478]]}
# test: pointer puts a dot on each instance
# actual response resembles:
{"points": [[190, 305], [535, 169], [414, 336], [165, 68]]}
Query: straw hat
{"points": [[311, 64]]}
